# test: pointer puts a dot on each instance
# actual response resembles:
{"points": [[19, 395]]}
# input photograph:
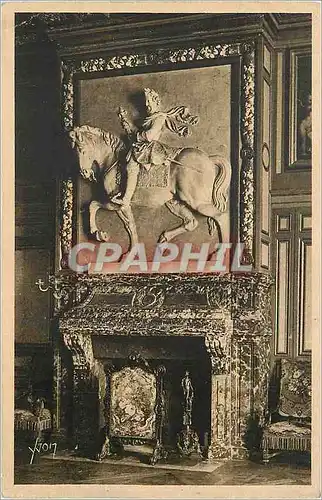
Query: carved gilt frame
{"points": [[165, 58], [293, 159]]}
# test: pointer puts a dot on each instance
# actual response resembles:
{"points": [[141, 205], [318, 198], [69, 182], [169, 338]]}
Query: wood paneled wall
{"points": [[291, 264], [291, 223], [265, 154], [37, 128]]}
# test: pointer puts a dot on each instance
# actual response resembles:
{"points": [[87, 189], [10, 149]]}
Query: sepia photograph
{"points": [[164, 321]]}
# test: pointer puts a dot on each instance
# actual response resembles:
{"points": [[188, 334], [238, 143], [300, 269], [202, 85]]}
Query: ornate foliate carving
{"points": [[143, 322], [66, 233], [83, 294], [159, 57], [246, 299], [247, 201]]}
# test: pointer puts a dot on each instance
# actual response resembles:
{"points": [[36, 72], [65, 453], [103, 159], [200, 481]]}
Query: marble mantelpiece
{"points": [[230, 312]]}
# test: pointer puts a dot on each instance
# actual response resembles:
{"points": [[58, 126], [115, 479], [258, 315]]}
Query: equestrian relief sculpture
{"points": [[197, 182]]}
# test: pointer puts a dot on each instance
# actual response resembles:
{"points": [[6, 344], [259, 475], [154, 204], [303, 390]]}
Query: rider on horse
{"points": [[146, 150]]}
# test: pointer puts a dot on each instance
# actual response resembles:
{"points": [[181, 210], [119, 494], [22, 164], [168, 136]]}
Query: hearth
{"points": [[176, 355]]}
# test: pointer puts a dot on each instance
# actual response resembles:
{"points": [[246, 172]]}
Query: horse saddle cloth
{"points": [[157, 175]]}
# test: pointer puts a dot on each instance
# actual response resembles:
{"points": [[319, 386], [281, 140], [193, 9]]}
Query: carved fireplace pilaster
{"points": [[218, 345], [85, 388]]}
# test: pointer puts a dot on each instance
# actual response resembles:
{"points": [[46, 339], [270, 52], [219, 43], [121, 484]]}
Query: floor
{"points": [[66, 469]]}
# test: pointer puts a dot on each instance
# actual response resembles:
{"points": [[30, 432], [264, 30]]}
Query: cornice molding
{"points": [[287, 20], [80, 33]]}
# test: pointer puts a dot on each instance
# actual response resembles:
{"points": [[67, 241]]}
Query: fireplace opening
{"points": [[178, 356]]}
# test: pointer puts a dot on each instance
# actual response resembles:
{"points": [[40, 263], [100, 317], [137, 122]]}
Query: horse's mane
{"points": [[95, 135]]}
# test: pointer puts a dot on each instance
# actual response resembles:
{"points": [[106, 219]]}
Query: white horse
{"points": [[196, 182]]}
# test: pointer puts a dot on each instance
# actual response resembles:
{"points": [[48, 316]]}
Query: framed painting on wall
{"points": [[299, 110]]}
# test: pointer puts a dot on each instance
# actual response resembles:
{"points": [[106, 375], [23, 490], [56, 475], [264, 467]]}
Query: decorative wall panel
{"points": [[306, 222], [282, 296], [284, 222], [266, 158], [265, 254], [153, 190], [32, 309], [305, 296], [267, 57], [292, 254], [279, 113]]}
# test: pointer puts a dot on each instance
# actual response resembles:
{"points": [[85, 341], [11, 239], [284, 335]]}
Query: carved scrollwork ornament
{"points": [[83, 294], [215, 346], [68, 71], [81, 349], [67, 292], [63, 301], [148, 297], [219, 298]]}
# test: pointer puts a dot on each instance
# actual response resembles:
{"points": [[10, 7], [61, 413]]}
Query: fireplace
{"points": [[216, 327]]}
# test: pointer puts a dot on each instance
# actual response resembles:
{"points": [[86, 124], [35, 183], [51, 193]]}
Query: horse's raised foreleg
{"points": [[125, 214], [93, 209], [179, 209]]}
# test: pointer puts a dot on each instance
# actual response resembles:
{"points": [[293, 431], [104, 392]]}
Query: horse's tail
{"points": [[221, 183]]}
